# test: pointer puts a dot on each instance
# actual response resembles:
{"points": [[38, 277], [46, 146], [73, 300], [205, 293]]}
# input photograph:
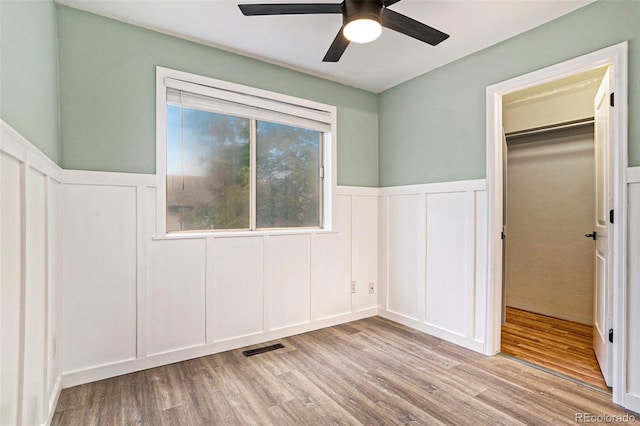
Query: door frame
{"points": [[615, 56]]}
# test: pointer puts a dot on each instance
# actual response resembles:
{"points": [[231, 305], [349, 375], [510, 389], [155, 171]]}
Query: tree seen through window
{"points": [[209, 173]]}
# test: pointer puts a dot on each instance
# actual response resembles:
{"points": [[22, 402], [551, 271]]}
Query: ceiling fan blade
{"points": [[337, 48], [412, 28], [388, 3], [289, 8]]}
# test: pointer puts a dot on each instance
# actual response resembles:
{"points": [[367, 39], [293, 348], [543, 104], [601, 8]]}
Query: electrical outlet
{"points": [[353, 286], [372, 288]]}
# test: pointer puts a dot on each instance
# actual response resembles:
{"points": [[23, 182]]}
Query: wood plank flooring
{"points": [[372, 372], [562, 346]]}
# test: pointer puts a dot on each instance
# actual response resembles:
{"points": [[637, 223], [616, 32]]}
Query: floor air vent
{"points": [[257, 351]]}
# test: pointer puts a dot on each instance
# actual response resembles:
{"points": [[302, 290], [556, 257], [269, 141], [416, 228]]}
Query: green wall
{"points": [[107, 94], [429, 129], [432, 128], [28, 72]]}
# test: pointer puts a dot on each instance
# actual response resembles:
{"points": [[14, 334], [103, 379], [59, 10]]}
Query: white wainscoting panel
{"points": [[447, 260], [331, 265], [632, 391], [288, 280], [132, 301], [364, 250], [99, 275], [235, 294], [153, 300], [29, 282], [433, 259], [175, 295], [406, 254]]}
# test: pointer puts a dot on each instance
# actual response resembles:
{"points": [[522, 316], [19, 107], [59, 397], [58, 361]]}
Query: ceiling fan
{"points": [[362, 21]]}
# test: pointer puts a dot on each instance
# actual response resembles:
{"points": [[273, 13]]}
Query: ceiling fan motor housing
{"points": [[361, 9]]}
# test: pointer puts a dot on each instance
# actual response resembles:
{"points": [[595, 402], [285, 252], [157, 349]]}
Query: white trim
{"points": [[161, 152], [124, 367], [84, 177], [434, 188], [438, 332], [358, 190], [470, 264], [47, 293], [237, 234], [141, 270], [633, 175], [383, 261], [253, 176], [24, 204], [209, 297], [617, 57], [228, 339], [14, 144]]}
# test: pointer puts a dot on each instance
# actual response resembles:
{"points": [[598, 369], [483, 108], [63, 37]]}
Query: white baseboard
{"points": [[433, 331], [105, 371], [632, 403]]}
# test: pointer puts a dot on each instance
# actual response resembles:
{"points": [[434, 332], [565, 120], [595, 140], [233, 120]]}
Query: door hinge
{"points": [[611, 216], [502, 235], [321, 172], [612, 99], [611, 335]]}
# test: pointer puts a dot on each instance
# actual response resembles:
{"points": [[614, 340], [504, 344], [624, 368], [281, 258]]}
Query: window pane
{"points": [[208, 171], [288, 160]]}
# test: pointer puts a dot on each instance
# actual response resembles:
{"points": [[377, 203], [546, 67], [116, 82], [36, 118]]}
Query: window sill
{"points": [[238, 234]]}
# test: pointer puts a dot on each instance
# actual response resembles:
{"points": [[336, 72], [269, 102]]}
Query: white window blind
{"points": [[190, 95]]}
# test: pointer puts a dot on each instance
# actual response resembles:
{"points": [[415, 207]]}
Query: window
{"points": [[234, 158]]}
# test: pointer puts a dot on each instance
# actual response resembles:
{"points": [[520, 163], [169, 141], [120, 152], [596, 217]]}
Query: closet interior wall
{"points": [[549, 262]]}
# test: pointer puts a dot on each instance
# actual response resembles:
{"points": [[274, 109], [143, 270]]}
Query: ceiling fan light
{"points": [[362, 30]]}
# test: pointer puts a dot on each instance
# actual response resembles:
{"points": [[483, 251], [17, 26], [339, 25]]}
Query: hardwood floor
{"points": [[372, 372], [562, 346]]}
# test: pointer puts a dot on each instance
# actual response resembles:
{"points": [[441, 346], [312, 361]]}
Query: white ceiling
{"points": [[300, 41]]}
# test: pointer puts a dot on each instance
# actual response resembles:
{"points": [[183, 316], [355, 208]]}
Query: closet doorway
{"points": [[549, 210]]}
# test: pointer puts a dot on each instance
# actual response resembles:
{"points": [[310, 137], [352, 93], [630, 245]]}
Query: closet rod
{"points": [[553, 127]]}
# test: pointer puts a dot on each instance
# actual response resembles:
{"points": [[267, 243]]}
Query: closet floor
{"points": [[558, 345]]}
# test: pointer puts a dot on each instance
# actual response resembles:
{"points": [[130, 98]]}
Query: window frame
{"points": [[257, 98]]}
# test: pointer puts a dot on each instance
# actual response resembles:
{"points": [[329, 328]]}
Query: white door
{"points": [[602, 312]]}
